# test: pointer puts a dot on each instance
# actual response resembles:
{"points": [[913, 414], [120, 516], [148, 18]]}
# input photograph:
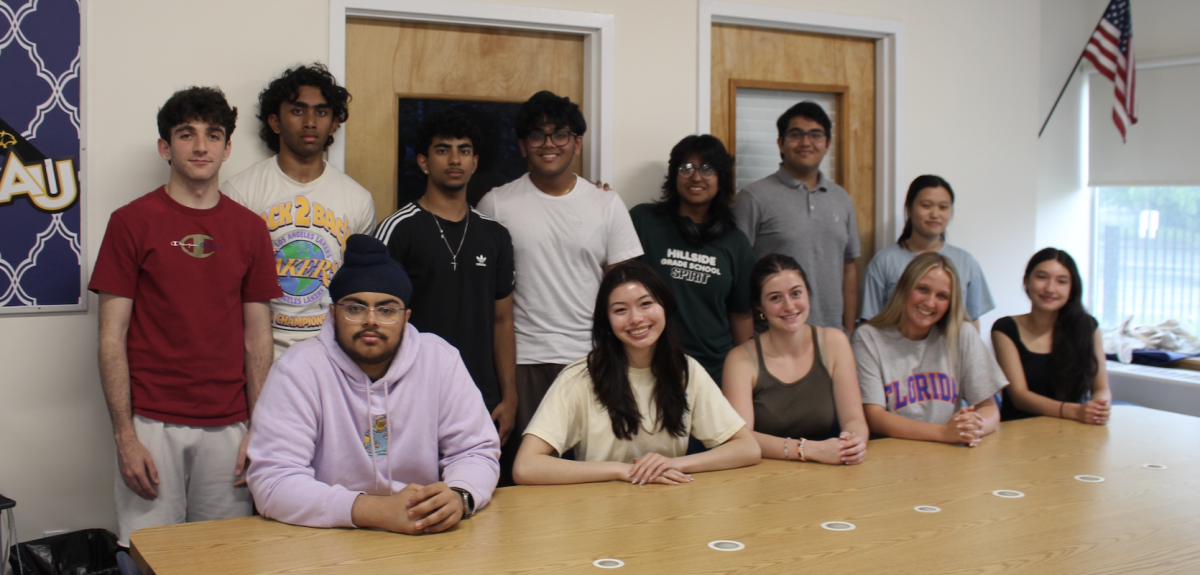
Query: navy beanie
{"points": [[367, 267]]}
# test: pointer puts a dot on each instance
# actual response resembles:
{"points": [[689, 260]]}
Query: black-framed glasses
{"points": [[688, 169], [797, 135], [384, 314], [559, 138]]}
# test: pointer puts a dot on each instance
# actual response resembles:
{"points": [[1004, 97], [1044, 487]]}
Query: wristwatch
{"points": [[467, 501]]}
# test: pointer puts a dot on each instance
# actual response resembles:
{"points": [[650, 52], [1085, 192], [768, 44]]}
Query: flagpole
{"points": [[1072, 76]]}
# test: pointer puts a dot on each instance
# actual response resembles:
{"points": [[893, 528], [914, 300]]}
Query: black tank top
{"points": [[802, 409], [1039, 377]]}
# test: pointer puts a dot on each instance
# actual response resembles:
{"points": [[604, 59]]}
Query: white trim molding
{"points": [[889, 86], [598, 55], [1152, 63]]}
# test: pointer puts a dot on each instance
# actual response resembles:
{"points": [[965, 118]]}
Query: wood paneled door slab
{"points": [[749, 57]]}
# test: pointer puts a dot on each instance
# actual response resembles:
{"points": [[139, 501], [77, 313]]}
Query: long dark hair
{"points": [[608, 365], [712, 152], [1072, 346], [922, 182]]}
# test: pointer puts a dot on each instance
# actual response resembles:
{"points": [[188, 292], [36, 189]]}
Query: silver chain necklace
{"points": [[453, 253]]}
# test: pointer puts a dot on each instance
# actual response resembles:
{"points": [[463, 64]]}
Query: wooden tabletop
{"points": [[1136, 520]]}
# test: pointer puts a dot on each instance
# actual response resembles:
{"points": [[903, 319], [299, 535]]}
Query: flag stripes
{"points": [[1110, 49]]}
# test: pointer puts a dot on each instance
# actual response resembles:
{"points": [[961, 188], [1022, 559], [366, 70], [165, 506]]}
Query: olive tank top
{"points": [[802, 409]]}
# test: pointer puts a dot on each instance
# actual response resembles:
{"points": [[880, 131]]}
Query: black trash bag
{"points": [[86, 552]]}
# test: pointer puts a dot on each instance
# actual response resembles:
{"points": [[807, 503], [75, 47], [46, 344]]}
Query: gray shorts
{"points": [[195, 477]]}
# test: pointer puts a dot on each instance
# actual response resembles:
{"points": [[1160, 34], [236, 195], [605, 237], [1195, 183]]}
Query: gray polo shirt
{"points": [[816, 227]]}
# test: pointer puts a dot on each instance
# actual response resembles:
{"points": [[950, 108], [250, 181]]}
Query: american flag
{"points": [[1111, 50]]}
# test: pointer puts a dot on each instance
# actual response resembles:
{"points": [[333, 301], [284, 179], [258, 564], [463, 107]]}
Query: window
{"points": [[1147, 255]]}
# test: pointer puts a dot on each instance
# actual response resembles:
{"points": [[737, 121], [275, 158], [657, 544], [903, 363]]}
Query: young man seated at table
{"points": [[372, 423]]}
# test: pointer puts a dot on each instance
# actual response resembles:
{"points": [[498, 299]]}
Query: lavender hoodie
{"points": [[309, 458]]}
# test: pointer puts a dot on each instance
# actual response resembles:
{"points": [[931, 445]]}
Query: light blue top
{"points": [[885, 268]]}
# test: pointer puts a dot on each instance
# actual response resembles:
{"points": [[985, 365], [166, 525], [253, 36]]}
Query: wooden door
{"points": [[786, 60], [389, 59]]}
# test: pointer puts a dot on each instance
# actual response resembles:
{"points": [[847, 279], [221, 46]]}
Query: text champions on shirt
{"points": [[930, 386]]}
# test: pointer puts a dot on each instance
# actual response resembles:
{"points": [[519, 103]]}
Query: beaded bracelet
{"points": [[800, 449]]}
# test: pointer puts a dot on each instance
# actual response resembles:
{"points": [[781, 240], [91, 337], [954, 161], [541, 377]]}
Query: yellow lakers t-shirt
{"points": [[309, 224]]}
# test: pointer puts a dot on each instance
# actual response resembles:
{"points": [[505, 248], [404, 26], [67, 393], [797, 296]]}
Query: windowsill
{"points": [[1168, 389], [1192, 363]]}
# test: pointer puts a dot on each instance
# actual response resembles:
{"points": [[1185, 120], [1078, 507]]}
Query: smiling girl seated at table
{"points": [[818, 414], [629, 407], [920, 358], [1053, 355]]}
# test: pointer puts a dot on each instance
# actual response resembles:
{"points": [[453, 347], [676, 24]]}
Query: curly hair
{"points": [[547, 108], [286, 88], [448, 123], [197, 103], [711, 151]]}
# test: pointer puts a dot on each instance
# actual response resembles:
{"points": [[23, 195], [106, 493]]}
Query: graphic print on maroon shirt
{"points": [[188, 272]]}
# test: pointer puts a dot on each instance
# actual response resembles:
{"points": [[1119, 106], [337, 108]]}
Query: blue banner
{"points": [[41, 240]]}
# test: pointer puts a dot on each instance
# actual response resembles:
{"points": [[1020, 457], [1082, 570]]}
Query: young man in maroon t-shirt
{"points": [[184, 277]]}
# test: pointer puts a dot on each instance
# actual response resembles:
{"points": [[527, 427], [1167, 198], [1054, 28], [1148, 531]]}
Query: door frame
{"points": [[889, 87], [598, 56]]}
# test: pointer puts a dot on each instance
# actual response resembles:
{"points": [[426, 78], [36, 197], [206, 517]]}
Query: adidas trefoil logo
{"points": [[481, 261]]}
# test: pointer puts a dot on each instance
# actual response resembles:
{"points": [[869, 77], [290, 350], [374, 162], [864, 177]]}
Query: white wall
{"points": [[971, 116], [972, 119], [1161, 27], [56, 453], [1064, 209]]}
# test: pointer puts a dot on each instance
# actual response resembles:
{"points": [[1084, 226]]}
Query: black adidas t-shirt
{"points": [[458, 304]]}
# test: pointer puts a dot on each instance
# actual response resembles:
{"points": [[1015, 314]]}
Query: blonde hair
{"points": [[956, 315]]}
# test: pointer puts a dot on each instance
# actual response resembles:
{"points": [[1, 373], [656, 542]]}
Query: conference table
{"points": [[1120, 498]]}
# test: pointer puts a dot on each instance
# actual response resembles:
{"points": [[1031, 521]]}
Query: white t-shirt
{"points": [[560, 247], [915, 378], [309, 224], [572, 416]]}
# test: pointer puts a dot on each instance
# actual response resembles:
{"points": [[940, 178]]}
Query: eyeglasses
{"points": [[538, 139], [797, 135], [384, 314], [707, 172]]}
